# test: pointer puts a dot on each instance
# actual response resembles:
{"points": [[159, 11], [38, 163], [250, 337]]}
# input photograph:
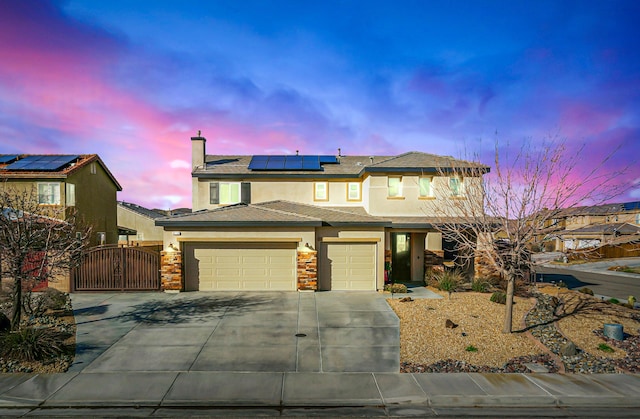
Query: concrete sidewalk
{"points": [[275, 394]]}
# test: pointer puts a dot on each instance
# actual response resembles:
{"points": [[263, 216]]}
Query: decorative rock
{"points": [[406, 299], [450, 325], [568, 349]]}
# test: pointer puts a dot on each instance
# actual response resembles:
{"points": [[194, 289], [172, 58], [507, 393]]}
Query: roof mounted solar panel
{"points": [[293, 163], [328, 159], [42, 163], [7, 158], [258, 163], [311, 163], [285, 163], [276, 163]]}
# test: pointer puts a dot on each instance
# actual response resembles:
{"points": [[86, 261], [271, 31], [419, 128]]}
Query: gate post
{"points": [[171, 269]]}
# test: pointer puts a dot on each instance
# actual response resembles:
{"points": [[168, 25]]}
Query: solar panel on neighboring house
{"points": [[7, 158], [41, 163]]}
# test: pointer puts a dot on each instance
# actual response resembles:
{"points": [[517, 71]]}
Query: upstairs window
{"points": [[394, 186], [227, 193], [321, 191], [70, 194], [353, 191], [456, 186], [425, 187], [49, 193]]}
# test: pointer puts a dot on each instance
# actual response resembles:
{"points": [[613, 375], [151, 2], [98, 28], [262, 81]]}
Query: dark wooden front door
{"points": [[401, 257]]}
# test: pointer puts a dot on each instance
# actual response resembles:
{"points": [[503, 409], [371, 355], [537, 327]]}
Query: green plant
{"points": [[480, 285], [31, 344], [471, 348], [605, 348], [631, 300], [613, 301], [499, 297], [562, 284], [448, 281], [396, 288], [586, 290]]}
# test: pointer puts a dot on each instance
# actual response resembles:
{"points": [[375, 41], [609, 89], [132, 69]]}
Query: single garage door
{"points": [[353, 266], [240, 266]]}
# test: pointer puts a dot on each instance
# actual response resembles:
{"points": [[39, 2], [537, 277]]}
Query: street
{"points": [[601, 282]]}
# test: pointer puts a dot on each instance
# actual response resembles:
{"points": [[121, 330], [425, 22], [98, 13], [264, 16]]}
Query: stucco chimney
{"points": [[197, 151]]}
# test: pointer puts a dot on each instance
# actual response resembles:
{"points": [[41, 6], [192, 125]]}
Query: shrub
{"points": [[31, 344], [562, 284], [499, 297], [586, 290], [613, 301], [396, 288], [448, 281], [480, 285], [471, 348], [605, 348]]}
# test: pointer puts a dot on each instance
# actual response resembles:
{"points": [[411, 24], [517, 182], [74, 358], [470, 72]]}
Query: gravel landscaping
{"points": [[477, 344]]}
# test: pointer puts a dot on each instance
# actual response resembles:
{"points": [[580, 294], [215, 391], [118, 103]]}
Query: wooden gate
{"points": [[117, 268]]}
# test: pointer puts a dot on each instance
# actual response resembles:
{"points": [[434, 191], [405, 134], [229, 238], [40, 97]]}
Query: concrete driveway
{"points": [[236, 331]]}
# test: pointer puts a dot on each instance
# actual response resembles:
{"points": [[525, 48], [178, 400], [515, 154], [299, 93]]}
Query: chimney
{"points": [[198, 151]]}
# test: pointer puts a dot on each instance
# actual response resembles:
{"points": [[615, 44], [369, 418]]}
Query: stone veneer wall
{"points": [[308, 271], [171, 270]]}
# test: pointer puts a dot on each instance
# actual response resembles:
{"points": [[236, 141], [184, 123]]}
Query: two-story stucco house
{"points": [[82, 182], [255, 218]]}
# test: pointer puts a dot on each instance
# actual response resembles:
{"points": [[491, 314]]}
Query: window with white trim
{"points": [[70, 194], [49, 193], [425, 187], [394, 186], [229, 193], [353, 191], [321, 191], [456, 186]]}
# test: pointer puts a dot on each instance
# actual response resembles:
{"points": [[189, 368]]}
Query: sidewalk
{"points": [[386, 394], [598, 267]]}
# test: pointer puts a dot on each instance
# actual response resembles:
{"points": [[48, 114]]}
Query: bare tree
{"points": [[498, 218], [37, 243]]}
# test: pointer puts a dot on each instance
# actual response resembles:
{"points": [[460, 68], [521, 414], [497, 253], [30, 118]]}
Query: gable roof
{"points": [[62, 172], [605, 209], [273, 213], [226, 166], [608, 228], [140, 210]]}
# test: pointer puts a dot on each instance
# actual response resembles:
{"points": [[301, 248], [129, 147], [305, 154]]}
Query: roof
{"points": [[220, 166], [608, 228], [152, 213], [72, 165], [604, 209], [238, 215], [333, 216]]}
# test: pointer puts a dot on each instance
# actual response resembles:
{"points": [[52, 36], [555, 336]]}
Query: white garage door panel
{"points": [[250, 267], [353, 266]]}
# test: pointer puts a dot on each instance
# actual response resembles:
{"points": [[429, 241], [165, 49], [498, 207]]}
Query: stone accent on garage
{"points": [[307, 270], [171, 270]]}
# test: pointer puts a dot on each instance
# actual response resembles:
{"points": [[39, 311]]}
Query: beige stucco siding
{"points": [[144, 226]]}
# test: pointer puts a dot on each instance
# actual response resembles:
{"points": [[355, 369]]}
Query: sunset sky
{"points": [[133, 80]]}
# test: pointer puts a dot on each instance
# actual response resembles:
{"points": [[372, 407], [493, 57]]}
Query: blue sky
{"points": [[132, 81]]}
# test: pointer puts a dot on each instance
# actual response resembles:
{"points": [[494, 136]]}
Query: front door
{"points": [[401, 257]]}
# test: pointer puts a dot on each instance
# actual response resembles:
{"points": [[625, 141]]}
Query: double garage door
{"points": [[240, 266]]}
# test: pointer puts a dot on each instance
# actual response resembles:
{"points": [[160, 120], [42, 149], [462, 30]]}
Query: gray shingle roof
{"points": [[331, 216], [150, 213], [620, 228], [238, 215], [218, 166]]}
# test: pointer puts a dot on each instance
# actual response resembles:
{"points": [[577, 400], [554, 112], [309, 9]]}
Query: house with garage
{"points": [[81, 182], [321, 222], [136, 224], [592, 226]]}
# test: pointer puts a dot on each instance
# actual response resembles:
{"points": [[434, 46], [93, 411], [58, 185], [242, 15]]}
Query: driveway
{"points": [[236, 331]]}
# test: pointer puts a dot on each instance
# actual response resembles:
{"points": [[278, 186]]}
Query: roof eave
{"points": [[173, 223]]}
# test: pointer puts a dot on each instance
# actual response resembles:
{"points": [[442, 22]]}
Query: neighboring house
{"points": [[255, 217], [82, 182], [136, 224], [593, 226]]}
